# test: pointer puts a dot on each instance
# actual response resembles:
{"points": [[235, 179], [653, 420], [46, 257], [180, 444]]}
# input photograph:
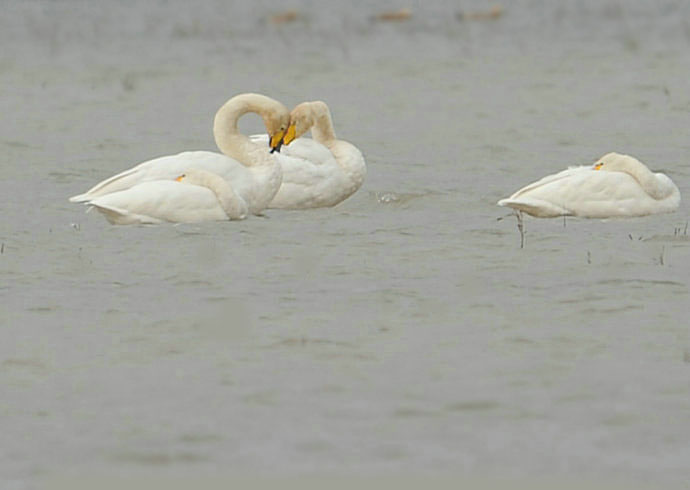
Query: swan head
{"points": [[276, 123], [615, 162], [275, 116], [302, 118]]}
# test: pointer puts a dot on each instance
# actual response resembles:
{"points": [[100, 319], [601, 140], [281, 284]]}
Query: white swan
{"points": [[196, 195], [253, 172], [317, 172], [616, 186]]}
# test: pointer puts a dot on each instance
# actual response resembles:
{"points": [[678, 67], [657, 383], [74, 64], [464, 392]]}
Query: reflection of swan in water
{"points": [[196, 195], [616, 186], [249, 168], [317, 172]]}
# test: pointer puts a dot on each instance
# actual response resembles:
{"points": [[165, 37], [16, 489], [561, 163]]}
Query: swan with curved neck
{"points": [[616, 186], [317, 172], [235, 144], [232, 205], [252, 170], [195, 196], [647, 180], [311, 115]]}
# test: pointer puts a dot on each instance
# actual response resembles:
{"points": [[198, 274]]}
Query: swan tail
{"points": [[123, 180], [80, 198], [534, 207]]}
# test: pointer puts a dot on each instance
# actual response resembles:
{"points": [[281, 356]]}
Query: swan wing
{"points": [[304, 148], [352, 162], [170, 167], [535, 207], [550, 179], [305, 184], [573, 192], [160, 201], [314, 176], [308, 184], [586, 193]]}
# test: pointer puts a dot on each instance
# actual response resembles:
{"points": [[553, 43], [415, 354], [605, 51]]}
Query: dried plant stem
{"points": [[521, 228]]}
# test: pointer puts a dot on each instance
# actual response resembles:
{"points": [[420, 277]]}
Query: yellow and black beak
{"points": [[179, 179], [275, 141], [289, 134], [598, 166]]}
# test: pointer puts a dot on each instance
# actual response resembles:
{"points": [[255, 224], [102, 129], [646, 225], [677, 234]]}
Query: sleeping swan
{"points": [[317, 172], [196, 195], [616, 186], [249, 168]]}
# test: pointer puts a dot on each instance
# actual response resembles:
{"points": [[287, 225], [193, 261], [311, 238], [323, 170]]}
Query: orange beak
{"points": [[289, 134]]}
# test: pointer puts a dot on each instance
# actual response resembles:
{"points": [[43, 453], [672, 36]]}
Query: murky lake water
{"points": [[402, 332]]}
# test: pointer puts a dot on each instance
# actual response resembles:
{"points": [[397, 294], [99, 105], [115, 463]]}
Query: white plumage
{"points": [[616, 186], [197, 195], [249, 168], [318, 172]]}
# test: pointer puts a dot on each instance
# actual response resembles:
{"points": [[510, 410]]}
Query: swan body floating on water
{"points": [[616, 186], [318, 172], [252, 172], [196, 195]]}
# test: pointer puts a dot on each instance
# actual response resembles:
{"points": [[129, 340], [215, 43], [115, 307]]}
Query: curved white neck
{"points": [[647, 180], [322, 125], [346, 155], [233, 206], [227, 135]]}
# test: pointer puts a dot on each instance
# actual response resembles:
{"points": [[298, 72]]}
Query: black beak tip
{"points": [[274, 148]]}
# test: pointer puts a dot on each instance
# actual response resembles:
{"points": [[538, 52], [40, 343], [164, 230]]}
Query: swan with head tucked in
{"points": [[317, 172], [616, 186], [196, 195], [250, 169]]}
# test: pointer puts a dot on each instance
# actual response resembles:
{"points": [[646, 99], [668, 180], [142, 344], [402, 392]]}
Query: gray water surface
{"points": [[401, 332]]}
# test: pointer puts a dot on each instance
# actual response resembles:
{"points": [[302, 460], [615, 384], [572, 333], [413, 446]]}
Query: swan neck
{"points": [[322, 129], [225, 125], [232, 204], [648, 181]]}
